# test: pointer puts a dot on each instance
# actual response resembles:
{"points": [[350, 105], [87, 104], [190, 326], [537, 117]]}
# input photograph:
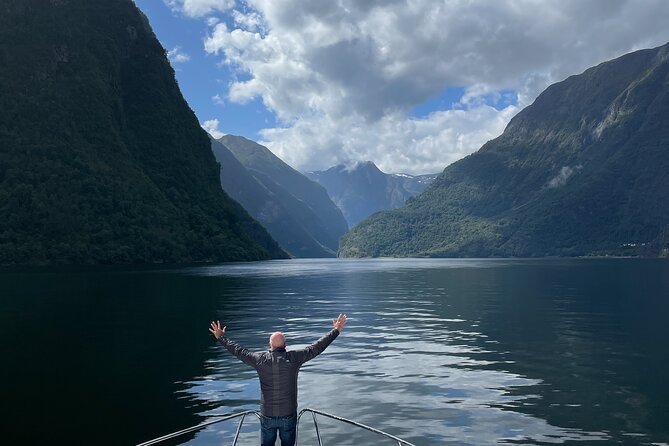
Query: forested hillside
{"points": [[295, 209], [581, 171], [101, 159]]}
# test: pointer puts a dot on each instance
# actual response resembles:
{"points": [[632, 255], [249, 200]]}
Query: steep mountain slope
{"points": [[362, 189], [306, 201], [278, 211], [582, 171], [101, 159]]}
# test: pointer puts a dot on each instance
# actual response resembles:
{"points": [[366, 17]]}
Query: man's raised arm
{"points": [[240, 352], [319, 346]]}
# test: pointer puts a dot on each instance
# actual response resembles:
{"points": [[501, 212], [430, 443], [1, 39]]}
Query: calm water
{"points": [[436, 351]]}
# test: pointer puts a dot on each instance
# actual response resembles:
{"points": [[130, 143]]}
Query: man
{"points": [[277, 370]]}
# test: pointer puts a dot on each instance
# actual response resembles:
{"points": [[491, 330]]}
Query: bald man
{"points": [[277, 370]]}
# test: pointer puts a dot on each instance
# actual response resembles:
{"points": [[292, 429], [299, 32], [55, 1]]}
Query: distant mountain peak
{"points": [[353, 166], [360, 188]]}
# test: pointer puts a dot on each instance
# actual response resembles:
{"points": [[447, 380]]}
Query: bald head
{"points": [[277, 340]]}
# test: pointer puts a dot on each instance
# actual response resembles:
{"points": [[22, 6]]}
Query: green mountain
{"points": [[101, 159], [284, 216], [297, 211], [362, 189], [581, 171]]}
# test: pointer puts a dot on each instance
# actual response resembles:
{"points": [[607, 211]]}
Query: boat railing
{"points": [[242, 416], [314, 412], [201, 426]]}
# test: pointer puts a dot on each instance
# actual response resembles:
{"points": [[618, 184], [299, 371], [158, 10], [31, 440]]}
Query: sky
{"points": [[412, 85]]}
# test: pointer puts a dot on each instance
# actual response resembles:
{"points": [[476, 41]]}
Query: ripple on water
{"points": [[433, 360]]}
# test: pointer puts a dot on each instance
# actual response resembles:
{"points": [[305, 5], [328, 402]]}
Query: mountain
{"points": [[581, 171], [296, 211], [414, 184], [101, 159], [285, 217], [362, 189]]}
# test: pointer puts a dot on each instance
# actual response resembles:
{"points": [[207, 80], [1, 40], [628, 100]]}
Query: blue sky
{"points": [[412, 86], [202, 77]]}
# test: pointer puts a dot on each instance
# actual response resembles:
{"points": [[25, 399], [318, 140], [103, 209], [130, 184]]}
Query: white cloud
{"points": [[343, 77], [251, 21], [394, 142], [211, 126], [175, 55], [200, 8], [218, 100]]}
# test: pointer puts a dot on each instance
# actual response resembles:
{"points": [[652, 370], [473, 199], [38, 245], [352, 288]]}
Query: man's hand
{"points": [[217, 331], [338, 324]]}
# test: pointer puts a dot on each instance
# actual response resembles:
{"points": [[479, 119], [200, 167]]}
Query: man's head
{"points": [[277, 340]]}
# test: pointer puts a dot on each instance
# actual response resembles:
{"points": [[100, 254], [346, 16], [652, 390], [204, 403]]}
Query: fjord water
{"points": [[466, 352]]}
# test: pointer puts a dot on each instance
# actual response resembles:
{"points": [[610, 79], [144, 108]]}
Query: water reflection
{"points": [[438, 351]]}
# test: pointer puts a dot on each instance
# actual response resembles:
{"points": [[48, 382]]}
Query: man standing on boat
{"points": [[277, 370]]}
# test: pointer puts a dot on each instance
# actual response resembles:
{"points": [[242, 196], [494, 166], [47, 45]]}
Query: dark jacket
{"points": [[277, 370]]}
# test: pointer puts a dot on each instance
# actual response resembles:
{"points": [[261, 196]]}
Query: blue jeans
{"points": [[285, 425]]}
